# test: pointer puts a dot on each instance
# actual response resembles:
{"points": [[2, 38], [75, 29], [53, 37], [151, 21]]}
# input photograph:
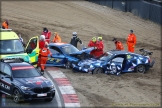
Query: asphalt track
{"points": [[6, 101]]}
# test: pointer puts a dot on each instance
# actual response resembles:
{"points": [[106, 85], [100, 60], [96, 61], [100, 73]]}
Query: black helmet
{"points": [[131, 31], [114, 39], [45, 30]]}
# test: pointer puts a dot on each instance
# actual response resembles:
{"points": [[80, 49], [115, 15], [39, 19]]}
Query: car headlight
{"points": [[25, 88], [91, 66], [52, 86]]}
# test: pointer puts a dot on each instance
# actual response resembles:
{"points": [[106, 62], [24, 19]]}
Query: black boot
{"points": [[42, 72]]}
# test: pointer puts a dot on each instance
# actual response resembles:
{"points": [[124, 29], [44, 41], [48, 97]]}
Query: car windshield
{"points": [[26, 73], [11, 46], [105, 57], [69, 49]]}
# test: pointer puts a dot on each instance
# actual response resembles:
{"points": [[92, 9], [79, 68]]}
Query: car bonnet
{"points": [[34, 82]]}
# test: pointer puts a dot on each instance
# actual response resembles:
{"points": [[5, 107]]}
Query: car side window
{"points": [[7, 70], [54, 50], [33, 44], [118, 59]]}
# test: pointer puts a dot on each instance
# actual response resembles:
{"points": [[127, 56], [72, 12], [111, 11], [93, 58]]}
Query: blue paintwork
{"points": [[125, 62], [61, 56]]}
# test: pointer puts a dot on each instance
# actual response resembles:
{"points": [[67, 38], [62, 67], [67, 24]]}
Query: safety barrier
{"points": [[146, 9]]}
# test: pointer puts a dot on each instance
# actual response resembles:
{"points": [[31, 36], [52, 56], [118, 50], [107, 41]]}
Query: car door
{"points": [[32, 49], [130, 63], [57, 59], [6, 79]]}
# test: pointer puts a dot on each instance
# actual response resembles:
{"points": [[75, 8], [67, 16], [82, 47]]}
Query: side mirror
{"points": [[24, 44], [8, 76]]}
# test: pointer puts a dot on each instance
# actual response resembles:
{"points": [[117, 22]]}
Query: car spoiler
{"points": [[145, 52]]}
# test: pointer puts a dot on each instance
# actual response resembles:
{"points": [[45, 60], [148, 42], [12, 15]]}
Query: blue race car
{"points": [[116, 62], [64, 54]]}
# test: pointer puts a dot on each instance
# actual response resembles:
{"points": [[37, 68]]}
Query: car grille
{"points": [[41, 90]]}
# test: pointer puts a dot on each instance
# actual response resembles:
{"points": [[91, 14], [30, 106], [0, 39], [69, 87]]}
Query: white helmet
{"points": [[42, 37], [74, 34]]}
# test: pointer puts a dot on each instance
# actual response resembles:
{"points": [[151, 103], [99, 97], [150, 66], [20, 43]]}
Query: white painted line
{"points": [[72, 105], [57, 74], [67, 90], [56, 92]]}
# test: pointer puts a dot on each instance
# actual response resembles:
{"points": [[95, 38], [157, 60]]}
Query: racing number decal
{"points": [[52, 59]]}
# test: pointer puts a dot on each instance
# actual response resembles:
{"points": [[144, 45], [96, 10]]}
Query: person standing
{"points": [[43, 55], [131, 41], [94, 43], [47, 34], [5, 24], [100, 46], [74, 40], [42, 41], [56, 38], [118, 44]]}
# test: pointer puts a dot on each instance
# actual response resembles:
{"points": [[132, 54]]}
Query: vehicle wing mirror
{"points": [[24, 44], [8, 76]]}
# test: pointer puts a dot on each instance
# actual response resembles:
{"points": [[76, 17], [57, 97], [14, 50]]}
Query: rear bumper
{"points": [[152, 63]]}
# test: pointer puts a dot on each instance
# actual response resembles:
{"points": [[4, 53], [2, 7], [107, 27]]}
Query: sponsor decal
{"points": [[38, 82], [4, 86], [20, 68]]}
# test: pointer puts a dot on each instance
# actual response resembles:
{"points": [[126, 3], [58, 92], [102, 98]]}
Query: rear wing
{"points": [[145, 52]]}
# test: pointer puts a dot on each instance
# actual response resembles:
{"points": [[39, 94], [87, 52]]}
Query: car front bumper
{"points": [[33, 96]]}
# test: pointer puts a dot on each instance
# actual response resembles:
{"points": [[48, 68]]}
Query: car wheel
{"points": [[98, 70], [16, 96], [141, 68]]}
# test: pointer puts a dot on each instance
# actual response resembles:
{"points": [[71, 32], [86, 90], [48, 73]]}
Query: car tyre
{"points": [[141, 69], [98, 70], [16, 96]]}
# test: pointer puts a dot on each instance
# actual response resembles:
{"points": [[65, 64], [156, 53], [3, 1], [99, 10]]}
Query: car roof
{"points": [[8, 34], [116, 52], [19, 64], [59, 44]]}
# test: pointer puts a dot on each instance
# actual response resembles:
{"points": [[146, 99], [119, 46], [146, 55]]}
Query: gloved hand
{"points": [[95, 47]]}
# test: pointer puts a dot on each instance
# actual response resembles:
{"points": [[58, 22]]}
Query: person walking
{"points": [[56, 38], [5, 24], [43, 55], [118, 44], [47, 34], [74, 40], [131, 41]]}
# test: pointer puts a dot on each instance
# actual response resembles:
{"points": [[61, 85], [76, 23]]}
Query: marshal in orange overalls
{"points": [[131, 41], [43, 55]]}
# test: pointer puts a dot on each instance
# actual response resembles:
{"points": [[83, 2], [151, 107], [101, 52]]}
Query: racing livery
{"points": [[64, 54], [116, 62], [22, 81]]}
